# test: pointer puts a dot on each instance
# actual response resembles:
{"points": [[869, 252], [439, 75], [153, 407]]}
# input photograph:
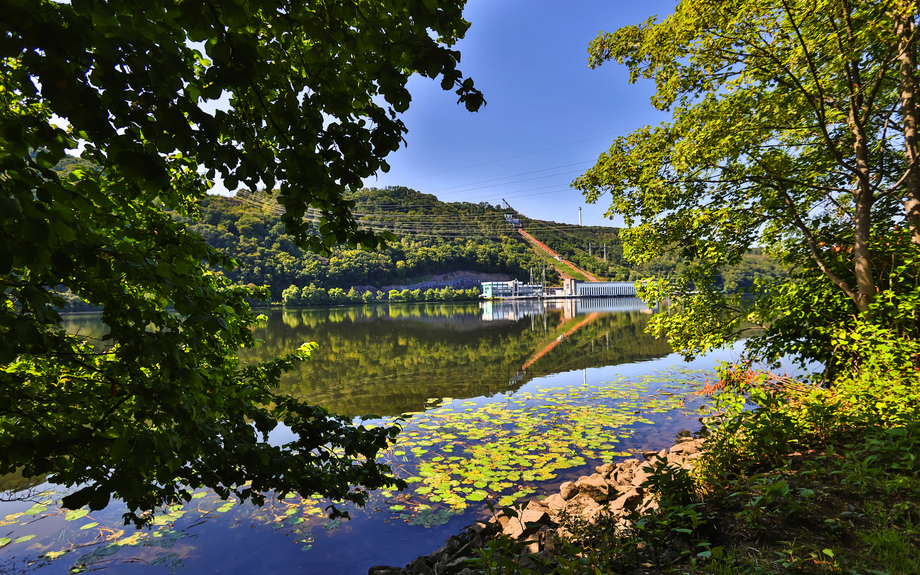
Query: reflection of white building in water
{"points": [[513, 310], [583, 306], [580, 288]]}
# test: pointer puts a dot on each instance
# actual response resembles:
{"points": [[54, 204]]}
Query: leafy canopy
{"points": [[313, 91], [793, 128]]}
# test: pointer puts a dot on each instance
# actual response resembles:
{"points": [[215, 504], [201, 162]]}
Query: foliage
{"points": [[248, 228], [793, 128], [313, 92], [315, 296], [758, 419]]}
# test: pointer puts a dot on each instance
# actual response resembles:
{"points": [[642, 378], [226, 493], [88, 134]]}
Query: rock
{"points": [[419, 566], [554, 503], [629, 500], [621, 477], [538, 505], [688, 447], [517, 526], [568, 490], [639, 478], [453, 544], [548, 540], [386, 570], [584, 506], [595, 486], [454, 567], [676, 458], [531, 548], [606, 469]]}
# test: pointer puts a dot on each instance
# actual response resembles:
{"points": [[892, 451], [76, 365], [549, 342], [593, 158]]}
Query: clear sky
{"points": [[548, 115]]}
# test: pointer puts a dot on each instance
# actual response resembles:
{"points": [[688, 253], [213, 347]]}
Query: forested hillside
{"points": [[248, 228], [434, 237]]}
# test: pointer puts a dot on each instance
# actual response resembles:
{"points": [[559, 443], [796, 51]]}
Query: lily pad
{"points": [[75, 514]]}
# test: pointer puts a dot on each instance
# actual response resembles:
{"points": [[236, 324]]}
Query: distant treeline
{"points": [[313, 295]]}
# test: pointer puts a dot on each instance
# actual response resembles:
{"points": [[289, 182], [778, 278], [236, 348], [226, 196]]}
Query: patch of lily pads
{"points": [[464, 452]]}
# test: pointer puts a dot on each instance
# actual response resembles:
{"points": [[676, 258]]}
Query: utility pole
{"points": [[605, 253], [589, 248], [579, 216]]}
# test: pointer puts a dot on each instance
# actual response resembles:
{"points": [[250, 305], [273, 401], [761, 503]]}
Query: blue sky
{"points": [[548, 115]]}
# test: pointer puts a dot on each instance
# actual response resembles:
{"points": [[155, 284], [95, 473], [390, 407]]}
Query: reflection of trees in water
{"points": [[389, 360]]}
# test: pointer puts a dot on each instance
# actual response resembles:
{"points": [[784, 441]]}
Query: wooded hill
{"points": [[434, 237]]}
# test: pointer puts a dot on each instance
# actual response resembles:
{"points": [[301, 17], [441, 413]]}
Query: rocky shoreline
{"points": [[615, 488]]}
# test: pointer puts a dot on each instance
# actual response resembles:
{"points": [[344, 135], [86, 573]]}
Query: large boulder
{"points": [[595, 486], [568, 490]]}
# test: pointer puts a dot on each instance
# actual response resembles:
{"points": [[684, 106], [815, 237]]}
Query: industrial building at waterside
{"points": [[510, 289], [579, 288], [570, 288]]}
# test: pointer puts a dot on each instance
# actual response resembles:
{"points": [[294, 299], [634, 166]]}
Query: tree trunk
{"points": [[907, 59]]}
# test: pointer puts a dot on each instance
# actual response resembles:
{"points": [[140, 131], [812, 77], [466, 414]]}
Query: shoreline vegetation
{"points": [[808, 480]]}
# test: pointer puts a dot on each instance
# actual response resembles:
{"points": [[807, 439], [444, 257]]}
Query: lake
{"points": [[501, 400]]}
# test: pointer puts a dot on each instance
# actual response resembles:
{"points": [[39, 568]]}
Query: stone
{"points": [[639, 478], [629, 500], [419, 566], [688, 447], [606, 469], [531, 548], [676, 458], [555, 503], [582, 505], [386, 570], [537, 505], [454, 567], [595, 486], [621, 477], [548, 540], [568, 490], [453, 544], [517, 526]]}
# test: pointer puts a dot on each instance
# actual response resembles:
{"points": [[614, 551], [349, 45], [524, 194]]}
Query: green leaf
{"points": [[75, 514]]}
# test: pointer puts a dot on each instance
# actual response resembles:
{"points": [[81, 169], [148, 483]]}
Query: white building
{"points": [[510, 289], [579, 288]]}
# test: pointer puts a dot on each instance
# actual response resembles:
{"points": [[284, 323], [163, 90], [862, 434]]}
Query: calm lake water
{"points": [[504, 401]]}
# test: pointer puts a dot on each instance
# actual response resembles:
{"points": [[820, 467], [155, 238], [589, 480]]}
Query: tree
{"points": [[162, 406], [794, 128]]}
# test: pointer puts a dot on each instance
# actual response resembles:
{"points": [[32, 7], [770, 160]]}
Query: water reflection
{"points": [[387, 360], [582, 367]]}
